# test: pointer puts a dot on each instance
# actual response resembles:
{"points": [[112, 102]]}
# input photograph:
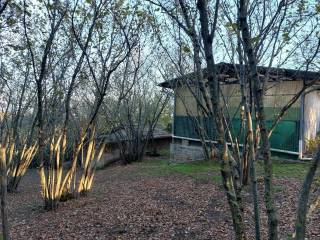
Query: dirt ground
{"points": [[133, 202]]}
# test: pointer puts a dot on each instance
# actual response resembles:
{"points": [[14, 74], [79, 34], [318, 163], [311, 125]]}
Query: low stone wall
{"points": [[180, 153], [108, 157]]}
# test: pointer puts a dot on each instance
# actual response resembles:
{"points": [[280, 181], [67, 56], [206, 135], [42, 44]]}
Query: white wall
{"points": [[311, 115]]}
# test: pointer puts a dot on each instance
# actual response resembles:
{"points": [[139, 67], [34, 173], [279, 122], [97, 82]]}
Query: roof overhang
{"points": [[228, 74]]}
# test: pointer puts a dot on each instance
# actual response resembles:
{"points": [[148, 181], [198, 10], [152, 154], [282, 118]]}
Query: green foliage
{"points": [[301, 6], [313, 144], [255, 40], [169, 127], [119, 3], [232, 26], [286, 37], [11, 22], [166, 117], [186, 49]]}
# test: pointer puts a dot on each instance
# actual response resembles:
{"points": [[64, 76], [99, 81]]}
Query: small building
{"points": [[160, 140], [299, 125]]}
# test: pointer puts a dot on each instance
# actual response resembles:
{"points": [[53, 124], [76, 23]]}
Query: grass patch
{"points": [[203, 170], [200, 170], [211, 170], [285, 170], [165, 152], [194, 168]]}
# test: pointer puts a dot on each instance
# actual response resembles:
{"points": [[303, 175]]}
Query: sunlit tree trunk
{"points": [[252, 174], [250, 151], [3, 179], [258, 91]]}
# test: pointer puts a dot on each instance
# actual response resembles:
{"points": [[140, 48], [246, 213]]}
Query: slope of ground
{"points": [[151, 200]]}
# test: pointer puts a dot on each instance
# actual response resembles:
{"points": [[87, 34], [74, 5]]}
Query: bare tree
{"points": [[212, 98], [301, 218], [258, 95], [56, 14], [4, 210], [262, 40]]}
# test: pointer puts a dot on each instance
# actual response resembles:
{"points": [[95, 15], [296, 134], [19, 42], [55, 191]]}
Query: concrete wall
{"points": [[109, 157], [181, 153], [159, 144]]}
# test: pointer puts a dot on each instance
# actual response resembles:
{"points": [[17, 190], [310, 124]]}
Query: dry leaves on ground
{"points": [[126, 204]]}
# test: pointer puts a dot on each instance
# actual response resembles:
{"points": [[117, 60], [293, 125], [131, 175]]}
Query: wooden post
{"points": [[3, 179]]}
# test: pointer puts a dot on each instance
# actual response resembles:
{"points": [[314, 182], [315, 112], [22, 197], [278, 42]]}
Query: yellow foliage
{"points": [[90, 160], [17, 161], [55, 183]]}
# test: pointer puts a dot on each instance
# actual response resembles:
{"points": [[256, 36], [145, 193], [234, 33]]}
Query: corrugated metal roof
{"points": [[227, 73]]}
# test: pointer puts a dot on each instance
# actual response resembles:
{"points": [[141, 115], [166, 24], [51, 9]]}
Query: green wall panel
{"points": [[293, 114], [187, 126], [284, 137]]}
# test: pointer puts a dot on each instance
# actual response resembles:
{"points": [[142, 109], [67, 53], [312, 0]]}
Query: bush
{"points": [[313, 144]]}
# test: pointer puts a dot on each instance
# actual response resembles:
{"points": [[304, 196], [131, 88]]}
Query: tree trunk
{"points": [[226, 170], [249, 152], [304, 198], [4, 213], [265, 145], [253, 178]]}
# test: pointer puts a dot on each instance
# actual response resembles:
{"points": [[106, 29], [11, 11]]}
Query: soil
{"points": [[128, 203]]}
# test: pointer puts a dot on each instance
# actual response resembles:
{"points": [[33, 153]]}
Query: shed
{"points": [[160, 140], [300, 124]]}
